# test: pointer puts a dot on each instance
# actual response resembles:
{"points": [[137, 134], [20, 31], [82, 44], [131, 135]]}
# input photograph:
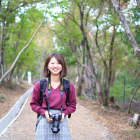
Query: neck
{"points": [[55, 78]]}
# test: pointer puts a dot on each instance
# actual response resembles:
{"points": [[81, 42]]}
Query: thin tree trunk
{"points": [[80, 74], [78, 91], [17, 74], [138, 3], [126, 28], [114, 67], [133, 97], [110, 67], [2, 48], [22, 77], [4, 16]]}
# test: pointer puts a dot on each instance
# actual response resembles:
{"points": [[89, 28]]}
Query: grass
{"points": [[122, 110], [2, 97], [81, 97], [131, 131], [138, 134]]}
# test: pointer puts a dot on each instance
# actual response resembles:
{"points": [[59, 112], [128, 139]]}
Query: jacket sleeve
{"points": [[35, 100], [72, 101]]}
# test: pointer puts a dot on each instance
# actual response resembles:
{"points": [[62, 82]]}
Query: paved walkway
{"points": [[82, 126]]}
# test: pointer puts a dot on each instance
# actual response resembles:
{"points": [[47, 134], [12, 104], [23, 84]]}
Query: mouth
{"points": [[55, 70]]}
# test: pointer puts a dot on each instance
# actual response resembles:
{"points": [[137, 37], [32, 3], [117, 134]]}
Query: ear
{"points": [[48, 71]]}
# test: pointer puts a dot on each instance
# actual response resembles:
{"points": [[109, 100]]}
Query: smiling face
{"points": [[54, 66], [55, 63]]}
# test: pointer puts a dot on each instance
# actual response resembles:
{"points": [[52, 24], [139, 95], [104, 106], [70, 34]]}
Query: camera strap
{"points": [[49, 92]]}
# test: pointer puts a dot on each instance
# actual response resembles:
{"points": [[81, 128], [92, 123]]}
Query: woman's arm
{"points": [[35, 100]]}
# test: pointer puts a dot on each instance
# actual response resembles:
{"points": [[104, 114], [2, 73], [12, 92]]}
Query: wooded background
{"points": [[99, 40]]}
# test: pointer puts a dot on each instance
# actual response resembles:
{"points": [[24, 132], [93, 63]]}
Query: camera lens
{"points": [[55, 127], [56, 120]]}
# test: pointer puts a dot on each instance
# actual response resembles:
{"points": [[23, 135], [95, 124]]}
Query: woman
{"points": [[54, 69]]}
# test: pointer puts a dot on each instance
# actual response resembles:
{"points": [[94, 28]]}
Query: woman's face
{"points": [[54, 66]]}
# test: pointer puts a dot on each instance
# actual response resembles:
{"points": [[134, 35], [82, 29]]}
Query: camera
{"points": [[56, 119]]}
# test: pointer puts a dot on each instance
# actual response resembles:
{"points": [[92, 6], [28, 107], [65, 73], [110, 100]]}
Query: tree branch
{"points": [[87, 16], [22, 51], [126, 27], [8, 7], [58, 37], [73, 19], [96, 42]]}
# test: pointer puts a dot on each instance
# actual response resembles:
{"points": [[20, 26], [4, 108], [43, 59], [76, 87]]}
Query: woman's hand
{"points": [[63, 116], [47, 117]]}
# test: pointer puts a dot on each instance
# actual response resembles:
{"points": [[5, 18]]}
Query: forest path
{"points": [[82, 126]]}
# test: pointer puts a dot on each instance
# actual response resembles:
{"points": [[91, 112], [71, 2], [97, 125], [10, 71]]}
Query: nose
{"points": [[55, 65]]}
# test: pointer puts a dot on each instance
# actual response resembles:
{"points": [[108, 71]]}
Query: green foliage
{"points": [[21, 24], [2, 97], [133, 124], [130, 131], [67, 54], [20, 35], [138, 134], [117, 90], [81, 97], [25, 16]]}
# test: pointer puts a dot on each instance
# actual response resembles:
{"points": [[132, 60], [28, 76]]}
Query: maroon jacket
{"points": [[55, 100]]}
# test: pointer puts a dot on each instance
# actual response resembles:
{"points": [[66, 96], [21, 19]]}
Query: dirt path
{"points": [[82, 126]]}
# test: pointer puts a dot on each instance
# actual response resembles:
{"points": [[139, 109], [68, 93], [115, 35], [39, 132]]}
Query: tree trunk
{"points": [[136, 118], [80, 84], [110, 67], [99, 89], [113, 67], [2, 48], [22, 77], [81, 10], [133, 97], [126, 28], [80, 74], [138, 3], [78, 90], [134, 121], [3, 36], [9, 82]]}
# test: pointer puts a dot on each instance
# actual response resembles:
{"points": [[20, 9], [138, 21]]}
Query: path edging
{"points": [[14, 112]]}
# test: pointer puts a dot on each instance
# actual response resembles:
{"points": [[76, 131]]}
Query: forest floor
{"points": [[110, 121]]}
